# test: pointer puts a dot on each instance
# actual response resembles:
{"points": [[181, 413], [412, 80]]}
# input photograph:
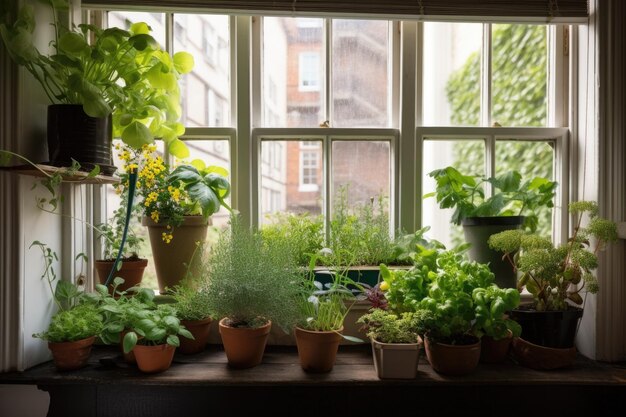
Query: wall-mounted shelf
{"points": [[76, 177]]}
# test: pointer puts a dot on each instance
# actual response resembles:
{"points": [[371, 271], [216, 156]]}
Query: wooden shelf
{"points": [[77, 177]]}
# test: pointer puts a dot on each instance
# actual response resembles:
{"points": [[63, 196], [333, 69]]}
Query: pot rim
{"points": [[493, 221], [396, 346], [300, 329], [205, 320], [86, 342], [222, 322], [195, 220]]}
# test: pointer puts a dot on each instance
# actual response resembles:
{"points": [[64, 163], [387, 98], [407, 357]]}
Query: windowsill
{"points": [[109, 386]]}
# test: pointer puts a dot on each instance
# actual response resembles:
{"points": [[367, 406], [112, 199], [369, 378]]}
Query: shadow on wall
{"points": [[23, 401]]}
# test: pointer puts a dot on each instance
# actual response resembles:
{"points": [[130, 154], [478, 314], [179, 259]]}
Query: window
{"points": [[309, 165], [489, 99], [309, 71]]}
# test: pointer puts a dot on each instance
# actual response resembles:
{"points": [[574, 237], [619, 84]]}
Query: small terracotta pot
{"points": [[131, 271], [71, 355], [151, 359], [244, 346], [494, 351], [200, 331], [453, 359], [541, 357], [172, 259], [395, 360], [317, 350]]}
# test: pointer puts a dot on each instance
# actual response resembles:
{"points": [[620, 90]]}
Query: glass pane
{"points": [[360, 98], [467, 156], [205, 92], [361, 170], [156, 21], [531, 159], [519, 78], [451, 86], [293, 72], [291, 177]]}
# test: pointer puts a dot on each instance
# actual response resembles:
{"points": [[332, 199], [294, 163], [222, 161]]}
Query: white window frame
{"points": [[304, 71], [305, 186]]}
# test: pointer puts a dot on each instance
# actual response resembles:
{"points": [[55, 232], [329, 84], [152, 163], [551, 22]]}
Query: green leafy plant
{"points": [[491, 305], [554, 275], [359, 235], [154, 327], [166, 195], [77, 323], [250, 282], [304, 232], [107, 71], [77, 318], [387, 327], [119, 310], [511, 197], [191, 303]]}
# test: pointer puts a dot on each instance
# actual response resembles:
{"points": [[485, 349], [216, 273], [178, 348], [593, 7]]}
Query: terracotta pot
{"points": [[453, 359], [131, 271], [395, 360], [541, 357], [200, 331], [151, 359], [244, 346], [71, 355], [494, 351], [171, 259], [317, 350]]}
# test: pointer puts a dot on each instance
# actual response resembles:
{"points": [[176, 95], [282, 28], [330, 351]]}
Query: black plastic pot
{"points": [[72, 134], [477, 231], [555, 329]]}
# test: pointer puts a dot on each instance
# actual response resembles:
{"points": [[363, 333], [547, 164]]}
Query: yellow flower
{"points": [[167, 237], [155, 216], [384, 286]]}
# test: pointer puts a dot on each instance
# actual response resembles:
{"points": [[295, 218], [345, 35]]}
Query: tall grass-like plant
{"points": [[250, 282]]}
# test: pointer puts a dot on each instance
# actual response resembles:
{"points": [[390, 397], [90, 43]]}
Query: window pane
{"points": [[293, 72], [360, 97], [531, 159], [205, 92], [291, 177], [519, 78], [451, 85], [468, 156], [156, 21], [362, 169]]}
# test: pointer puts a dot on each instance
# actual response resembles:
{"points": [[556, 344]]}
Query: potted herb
{"points": [[153, 337], [439, 286], [492, 324], [556, 276], [250, 286], [130, 266], [73, 329], [192, 307], [107, 82], [513, 204], [323, 311], [117, 308], [177, 205], [395, 342]]}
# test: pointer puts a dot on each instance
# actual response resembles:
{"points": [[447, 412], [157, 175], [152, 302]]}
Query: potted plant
{"points": [[177, 205], [73, 329], [153, 336], [556, 277], [116, 307], [440, 286], [250, 286], [323, 311], [101, 82], [492, 324], [395, 342], [192, 307], [513, 204], [130, 267]]}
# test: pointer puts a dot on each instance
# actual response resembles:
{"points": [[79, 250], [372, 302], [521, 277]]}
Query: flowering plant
{"points": [[167, 195]]}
